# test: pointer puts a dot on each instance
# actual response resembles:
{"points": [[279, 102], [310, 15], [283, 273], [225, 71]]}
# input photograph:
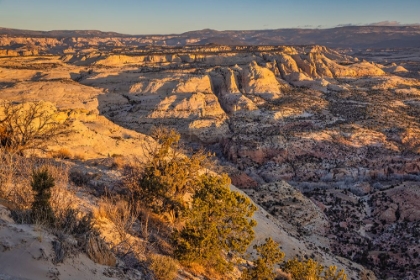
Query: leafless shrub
{"points": [[72, 230], [73, 221], [28, 125], [62, 201]]}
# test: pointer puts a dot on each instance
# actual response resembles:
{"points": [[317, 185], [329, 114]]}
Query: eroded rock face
{"points": [[226, 83], [185, 102], [162, 93], [243, 181]]}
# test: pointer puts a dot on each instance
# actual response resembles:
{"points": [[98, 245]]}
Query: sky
{"points": [[178, 16]]}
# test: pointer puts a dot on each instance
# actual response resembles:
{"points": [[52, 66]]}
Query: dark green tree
{"points": [[269, 255], [218, 222], [41, 184]]}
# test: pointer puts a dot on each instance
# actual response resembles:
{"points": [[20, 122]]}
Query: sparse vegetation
{"points": [[214, 221], [205, 228], [120, 212], [80, 178], [269, 256], [349, 144], [123, 216], [118, 162], [16, 189], [310, 269], [37, 192]]}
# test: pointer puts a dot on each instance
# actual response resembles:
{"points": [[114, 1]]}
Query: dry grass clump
{"points": [[65, 219], [62, 200], [122, 214], [79, 156], [63, 153], [197, 269], [15, 176], [163, 267], [117, 220]]}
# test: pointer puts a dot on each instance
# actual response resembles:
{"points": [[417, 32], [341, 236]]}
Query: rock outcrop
{"points": [[260, 81]]}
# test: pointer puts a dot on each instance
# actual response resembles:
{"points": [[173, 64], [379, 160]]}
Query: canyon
{"points": [[324, 140]]}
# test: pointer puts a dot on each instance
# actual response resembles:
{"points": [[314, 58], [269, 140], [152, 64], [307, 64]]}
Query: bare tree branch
{"points": [[28, 126]]}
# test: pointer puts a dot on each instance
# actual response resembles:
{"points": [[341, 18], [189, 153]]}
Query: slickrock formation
{"points": [[261, 82]]}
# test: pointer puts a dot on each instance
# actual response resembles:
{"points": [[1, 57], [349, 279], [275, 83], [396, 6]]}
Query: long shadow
{"points": [[38, 76], [4, 85]]}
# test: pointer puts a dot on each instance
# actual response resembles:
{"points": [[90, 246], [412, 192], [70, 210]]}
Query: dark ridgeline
{"points": [[338, 37]]}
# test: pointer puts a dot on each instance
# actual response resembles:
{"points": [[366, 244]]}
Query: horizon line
{"points": [[211, 29]]}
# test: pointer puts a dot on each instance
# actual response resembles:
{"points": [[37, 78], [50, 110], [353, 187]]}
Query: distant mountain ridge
{"points": [[342, 37], [58, 33]]}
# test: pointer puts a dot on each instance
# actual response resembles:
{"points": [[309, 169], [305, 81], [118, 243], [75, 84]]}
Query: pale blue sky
{"points": [[177, 16]]}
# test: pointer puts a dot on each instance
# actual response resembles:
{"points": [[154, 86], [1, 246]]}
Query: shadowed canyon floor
{"points": [[326, 142]]}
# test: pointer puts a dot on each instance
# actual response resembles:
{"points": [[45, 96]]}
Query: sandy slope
{"points": [[26, 252]]}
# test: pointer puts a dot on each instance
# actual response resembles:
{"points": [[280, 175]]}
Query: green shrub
{"points": [[41, 184], [310, 269], [162, 183], [269, 256]]}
